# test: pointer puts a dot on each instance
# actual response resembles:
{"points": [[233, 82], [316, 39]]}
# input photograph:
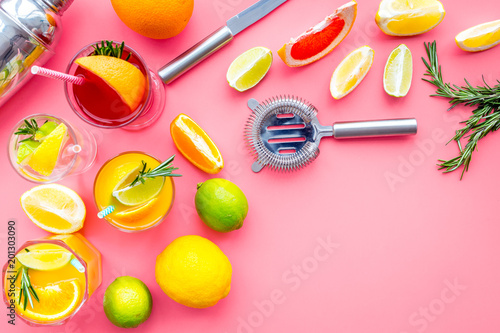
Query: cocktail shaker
{"points": [[29, 31]]}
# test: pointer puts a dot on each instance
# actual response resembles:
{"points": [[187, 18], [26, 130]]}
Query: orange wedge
{"points": [[126, 79], [321, 39], [196, 145]]}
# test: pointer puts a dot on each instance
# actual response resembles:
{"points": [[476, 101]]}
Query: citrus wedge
{"points": [[321, 39], [409, 17], [196, 145], [249, 68], [136, 213], [398, 72], [54, 208], [140, 193], [45, 157], [480, 37], [126, 79], [56, 301], [25, 151], [44, 130], [351, 71], [44, 257]]}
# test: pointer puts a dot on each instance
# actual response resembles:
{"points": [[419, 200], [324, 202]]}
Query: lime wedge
{"points": [[249, 68], [45, 130], [398, 72], [45, 257], [140, 193], [25, 151]]}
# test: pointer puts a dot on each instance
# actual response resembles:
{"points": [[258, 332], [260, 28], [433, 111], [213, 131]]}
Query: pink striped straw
{"points": [[57, 75]]}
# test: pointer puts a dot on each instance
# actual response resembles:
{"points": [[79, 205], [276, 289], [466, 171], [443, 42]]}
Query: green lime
{"points": [[45, 130], [221, 204], [26, 149], [127, 302], [139, 193]]}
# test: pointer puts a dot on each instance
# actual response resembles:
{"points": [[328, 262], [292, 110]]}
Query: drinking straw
{"points": [[37, 70], [105, 212], [78, 265]]}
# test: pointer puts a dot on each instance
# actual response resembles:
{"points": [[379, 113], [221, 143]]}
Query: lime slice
{"points": [[25, 151], [249, 68], [45, 257], [140, 193], [45, 130], [398, 72], [45, 157]]}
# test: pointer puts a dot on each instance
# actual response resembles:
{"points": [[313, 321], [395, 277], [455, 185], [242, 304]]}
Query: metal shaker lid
{"points": [[59, 6]]}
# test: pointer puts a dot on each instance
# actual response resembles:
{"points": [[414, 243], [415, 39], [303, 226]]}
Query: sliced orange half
{"points": [[126, 79], [196, 145], [321, 39]]}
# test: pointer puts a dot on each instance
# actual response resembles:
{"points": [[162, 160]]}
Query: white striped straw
{"points": [[106, 211], [57, 75]]}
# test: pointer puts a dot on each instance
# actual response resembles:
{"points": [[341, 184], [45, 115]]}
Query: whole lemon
{"points": [[221, 204], [158, 19], [194, 272], [127, 302]]}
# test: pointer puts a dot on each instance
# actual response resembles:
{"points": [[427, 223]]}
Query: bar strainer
{"points": [[284, 133]]}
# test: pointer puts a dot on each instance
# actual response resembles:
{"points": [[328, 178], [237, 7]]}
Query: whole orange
{"points": [[158, 19]]}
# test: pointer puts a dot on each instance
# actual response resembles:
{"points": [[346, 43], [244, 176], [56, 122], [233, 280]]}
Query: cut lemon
{"points": [[249, 68], [54, 208], [56, 302], [480, 37], [196, 145], [45, 157], [126, 79], [398, 72], [136, 214], [409, 17], [44, 257], [351, 71], [321, 39], [140, 193]]}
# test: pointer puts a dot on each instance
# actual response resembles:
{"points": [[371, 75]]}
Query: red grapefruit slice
{"points": [[321, 39]]}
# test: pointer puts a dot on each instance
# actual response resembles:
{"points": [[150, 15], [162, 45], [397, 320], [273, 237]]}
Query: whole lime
{"points": [[127, 302], [221, 204]]}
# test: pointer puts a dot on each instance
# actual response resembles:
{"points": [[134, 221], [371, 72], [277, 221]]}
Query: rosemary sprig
{"points": [[106, 48], [29, 128], [27, 289], [163, 170], [485, 118]]}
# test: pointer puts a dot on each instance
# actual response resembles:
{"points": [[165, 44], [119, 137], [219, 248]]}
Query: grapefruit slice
{"points": [[321, 39], [126, 79]]}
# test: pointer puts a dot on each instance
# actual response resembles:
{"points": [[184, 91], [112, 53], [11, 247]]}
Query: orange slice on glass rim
{"points": [[126, 79], [321, 39], [196, 145]]}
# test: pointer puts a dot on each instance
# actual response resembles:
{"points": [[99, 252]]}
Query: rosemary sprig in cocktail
{"points": [[29, 128], [106, 48], [163, 170], [26, 289], [485, 118]]}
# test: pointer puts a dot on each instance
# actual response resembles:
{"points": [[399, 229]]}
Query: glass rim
{"points": [[150, 226], [148, 78], [61, 243], [12, 148]]}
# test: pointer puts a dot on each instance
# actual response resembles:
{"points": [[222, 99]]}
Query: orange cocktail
{"points": [[49, 279], [138, 207]]}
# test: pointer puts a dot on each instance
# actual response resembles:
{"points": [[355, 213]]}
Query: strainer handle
{"points": [[387, 127]]}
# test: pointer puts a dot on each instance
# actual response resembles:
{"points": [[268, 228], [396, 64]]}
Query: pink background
{"points": [[415, 255]]}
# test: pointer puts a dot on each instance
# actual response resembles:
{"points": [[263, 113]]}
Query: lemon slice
{"points": [[45, 157], [480, 37], [409, 17], [398, 72], [126, 79], [140, 193], [44, 257], [56, 302], [351, 71], [249, 68], [54, 208], [136, 213]]}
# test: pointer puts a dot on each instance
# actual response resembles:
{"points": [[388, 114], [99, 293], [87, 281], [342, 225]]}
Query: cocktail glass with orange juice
{"points": [[135, 190], [50, 279], [119, 88]]}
